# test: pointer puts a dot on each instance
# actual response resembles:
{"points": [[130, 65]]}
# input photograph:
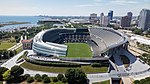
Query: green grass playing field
{"points": [[78, 50]]}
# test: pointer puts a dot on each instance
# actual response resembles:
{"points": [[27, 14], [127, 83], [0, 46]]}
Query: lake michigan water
{"points": [[32, 19]]}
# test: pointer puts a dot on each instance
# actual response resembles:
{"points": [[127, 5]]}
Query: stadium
{"points": [[78, 44]]}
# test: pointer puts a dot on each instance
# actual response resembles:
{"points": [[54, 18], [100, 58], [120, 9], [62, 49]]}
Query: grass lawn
{"points": [[19, 49], [87, 68], [6, 45], [59, 82], [1, 82], [103, 82], [78, 50]]}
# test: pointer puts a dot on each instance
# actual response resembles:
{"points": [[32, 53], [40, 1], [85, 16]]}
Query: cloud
{"points": [[118, 2], [97, 0], [123, 2], [88, 5]]}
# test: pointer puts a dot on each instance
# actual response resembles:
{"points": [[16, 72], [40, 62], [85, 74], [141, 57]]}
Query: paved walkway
{"points": [[137, 69], [15, 46], [141, 39], [137, 65], [136, 49], [11, 62]]}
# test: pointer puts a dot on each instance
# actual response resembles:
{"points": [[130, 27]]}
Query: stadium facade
{"points": [[103, 41]]}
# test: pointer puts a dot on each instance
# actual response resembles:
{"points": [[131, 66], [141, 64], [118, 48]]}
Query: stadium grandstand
{"points": [[102, 41]]}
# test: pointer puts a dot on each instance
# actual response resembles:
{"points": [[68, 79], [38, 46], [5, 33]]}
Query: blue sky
{"points": [[71, 7]]}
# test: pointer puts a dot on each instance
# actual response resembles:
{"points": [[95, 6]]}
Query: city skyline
{"points": [[71, 7]]}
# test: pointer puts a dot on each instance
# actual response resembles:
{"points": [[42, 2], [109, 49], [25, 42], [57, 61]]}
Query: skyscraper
{"points": [[129, 14], [144, 19], [101, 18], [110, 14], [126, 20], [104, 20]]}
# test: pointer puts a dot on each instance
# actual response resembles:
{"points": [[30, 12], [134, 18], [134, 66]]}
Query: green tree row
{"points": [[14, 75], [4, 54]]}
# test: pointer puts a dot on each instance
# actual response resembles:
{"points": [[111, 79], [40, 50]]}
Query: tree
{"points": [[136, 82], [137, 43], [142, 81], [16, 37], [64, 80], [17, 40], [1, 77], [55, 79], [6, 54], [26, 76], [2, 70], [148, 32], [144, 54], [44, 75], [6, 75], [137, 31], [11, 53], [46, 80], [16, 71], [38, 78], [76, 76], [60, 76], [14, 52], [30, 79]]}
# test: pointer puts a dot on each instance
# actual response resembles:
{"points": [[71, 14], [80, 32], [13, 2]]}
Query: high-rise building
{"points": [[93, 18], [104, 20], [101, 18], [129, 14], [126, 20], [110, 15], [144, 19]]}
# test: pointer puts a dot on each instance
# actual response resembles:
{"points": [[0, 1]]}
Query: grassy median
{"points": [[19, 49]]}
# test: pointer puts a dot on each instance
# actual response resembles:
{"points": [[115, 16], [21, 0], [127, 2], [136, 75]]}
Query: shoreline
{"points": [[17, 27], [13, 23]]}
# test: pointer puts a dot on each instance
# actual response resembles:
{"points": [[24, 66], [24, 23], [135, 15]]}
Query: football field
{"points": [[78, 50]]}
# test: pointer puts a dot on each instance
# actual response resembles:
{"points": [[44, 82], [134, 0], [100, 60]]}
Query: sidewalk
{"points": [[15, 46]]}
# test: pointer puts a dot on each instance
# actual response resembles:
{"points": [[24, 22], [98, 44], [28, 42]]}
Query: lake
{"points": [[32, 19]]}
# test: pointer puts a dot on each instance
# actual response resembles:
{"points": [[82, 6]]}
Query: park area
{"points": [[6, 44], [78, 50]]}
